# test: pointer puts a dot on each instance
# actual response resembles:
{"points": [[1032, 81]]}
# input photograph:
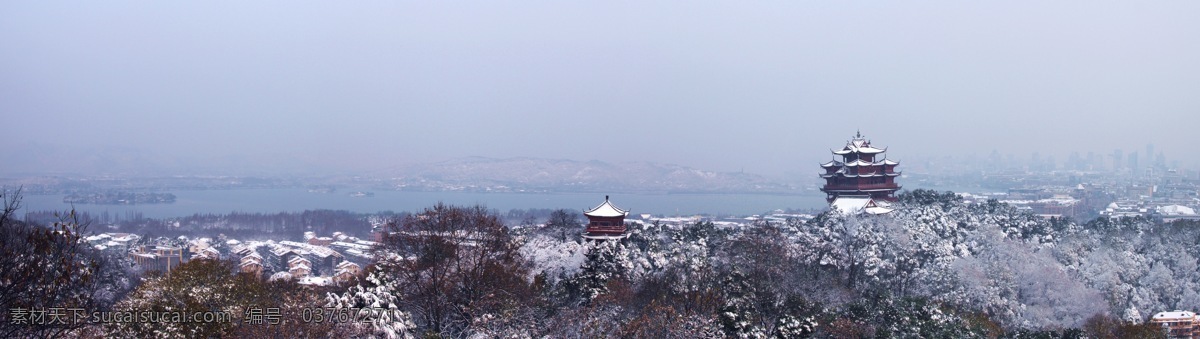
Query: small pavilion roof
{"points": [[606, 209]]}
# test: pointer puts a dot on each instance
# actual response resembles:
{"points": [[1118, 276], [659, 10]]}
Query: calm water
{"points": [[295, 200]]}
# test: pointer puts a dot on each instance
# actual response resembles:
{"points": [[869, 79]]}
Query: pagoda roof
{"points": [[606, 209], [605, 236], [858, 162], [859, 144], [861, 175], [865, 150], [852, 189]]}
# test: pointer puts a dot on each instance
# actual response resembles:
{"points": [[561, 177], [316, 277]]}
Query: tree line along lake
{"points": [[189, 202]]}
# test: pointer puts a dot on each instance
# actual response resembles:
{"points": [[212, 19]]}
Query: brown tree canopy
{"points": [[456, 265]]}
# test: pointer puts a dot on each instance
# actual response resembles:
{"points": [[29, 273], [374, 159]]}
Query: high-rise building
{"points": [[1075, 162], [1149, 154], [1133, 164]]}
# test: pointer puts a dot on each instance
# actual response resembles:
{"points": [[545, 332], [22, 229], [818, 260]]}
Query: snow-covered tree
{"points": [[51, 268], [378, 300]]}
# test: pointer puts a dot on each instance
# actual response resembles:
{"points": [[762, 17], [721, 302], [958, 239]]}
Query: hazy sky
{"points": [[767, 87]]}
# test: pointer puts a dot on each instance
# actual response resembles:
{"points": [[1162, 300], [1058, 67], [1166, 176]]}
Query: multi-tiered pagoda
{"points": [[863, 180], [605, 221]]}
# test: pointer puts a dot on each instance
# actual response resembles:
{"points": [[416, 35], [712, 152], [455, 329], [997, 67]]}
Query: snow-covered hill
{"points": [[535, 174]]}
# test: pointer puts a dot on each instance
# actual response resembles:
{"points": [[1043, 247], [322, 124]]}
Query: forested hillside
{"points": [[935, 267]]}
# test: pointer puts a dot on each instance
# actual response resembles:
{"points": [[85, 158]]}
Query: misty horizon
{"points": [[54, 160], [760, 88]]}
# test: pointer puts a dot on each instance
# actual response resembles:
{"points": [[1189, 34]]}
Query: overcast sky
{"points": [[767, 87]]}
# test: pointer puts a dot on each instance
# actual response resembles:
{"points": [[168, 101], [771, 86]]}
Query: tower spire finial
{"points": [[858, 133]]}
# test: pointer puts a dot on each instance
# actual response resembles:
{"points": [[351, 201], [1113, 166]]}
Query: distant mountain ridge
{"points": [[560, 175]]}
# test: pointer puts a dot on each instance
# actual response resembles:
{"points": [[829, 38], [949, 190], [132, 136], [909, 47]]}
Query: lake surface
{"points": [[296, 200]]}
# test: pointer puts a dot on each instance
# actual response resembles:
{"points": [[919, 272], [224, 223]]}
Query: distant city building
{"points": [[1133, 164], [1178, 324], [864, 180], [1172, 213], [251, 263], [320, 241], [117, 242], [299, 267], [158, 258], [605, 221], [207, 253], [345, 272], [1118, 160]]}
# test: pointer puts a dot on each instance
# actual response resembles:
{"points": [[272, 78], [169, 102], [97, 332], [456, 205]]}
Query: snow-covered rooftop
{"points": [[125, 237], [298, 259], [347, 245], [1173, 210], [320, 251], [858, 144], [1177, 314], [606, 209], [98, 238], [852, 149], [853, 204]]}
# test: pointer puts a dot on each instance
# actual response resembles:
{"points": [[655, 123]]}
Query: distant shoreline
{"points": [[260, 200]]}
